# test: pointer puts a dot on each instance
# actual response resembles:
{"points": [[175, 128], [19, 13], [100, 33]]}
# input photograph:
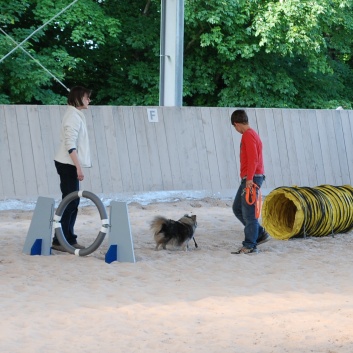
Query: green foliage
{"points": [[131, 75], [64, 47], [294, 54], [250, 53]]}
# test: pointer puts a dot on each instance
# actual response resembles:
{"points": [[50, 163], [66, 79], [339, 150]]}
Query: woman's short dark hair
{"points": [[239, 116], [76, 94]]}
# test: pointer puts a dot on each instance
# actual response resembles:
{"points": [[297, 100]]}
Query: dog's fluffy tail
{"points": [[157, 225]]}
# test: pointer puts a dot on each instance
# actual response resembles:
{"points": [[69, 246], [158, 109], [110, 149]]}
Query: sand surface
{"points": [[294, 296]]}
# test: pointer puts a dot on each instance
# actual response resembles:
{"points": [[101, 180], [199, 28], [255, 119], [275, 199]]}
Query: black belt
{"points": [[255, 175]]}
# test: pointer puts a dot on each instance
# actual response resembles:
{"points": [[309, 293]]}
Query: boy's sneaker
{"points": [[246, 251], [264, 238]]}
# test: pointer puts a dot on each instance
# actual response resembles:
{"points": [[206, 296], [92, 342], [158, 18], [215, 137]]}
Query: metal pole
{"points": [[162, 53], [171, 53], [179, 54]]}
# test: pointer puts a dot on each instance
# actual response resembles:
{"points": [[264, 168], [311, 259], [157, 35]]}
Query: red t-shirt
{"points": [[251, 161]]}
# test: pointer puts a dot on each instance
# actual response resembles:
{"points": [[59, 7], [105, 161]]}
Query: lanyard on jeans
{"points": [[252, 197]]}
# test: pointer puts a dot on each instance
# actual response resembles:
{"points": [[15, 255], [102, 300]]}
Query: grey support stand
{"points": [[120, 241], [39, 236]]}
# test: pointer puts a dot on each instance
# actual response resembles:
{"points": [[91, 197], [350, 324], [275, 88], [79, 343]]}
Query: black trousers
{"points": [[68, 184]]}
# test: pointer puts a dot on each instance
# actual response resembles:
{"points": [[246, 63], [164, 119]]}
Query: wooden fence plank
{"points": [[99, 128], [333, 146], [251, 112], [308, 149], [273, 147], [211, 149], [182, 137], [114, 168], [132, 148], [344, 177], [163, 148], [49, 147], [329, 147], [321, 126], [202, 158], [315, 160], [145, 150], [271, 167], [92, 181], [283, 160], [189, 149], [222, 132], [151, 154], [292, 156], [55, 117], [347, 126], [3, 150], [15, 151], [7, 187], [236, 137], [123, 152], [232, 150], [38, 149], [171, 118], [25, 137], [299, 146]]}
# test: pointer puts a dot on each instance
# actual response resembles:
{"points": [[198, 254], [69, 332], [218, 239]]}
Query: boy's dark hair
{"points": [[239, 116], [76, 94]]}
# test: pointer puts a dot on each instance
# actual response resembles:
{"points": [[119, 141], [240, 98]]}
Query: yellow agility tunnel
{"points": [[303, 211]]}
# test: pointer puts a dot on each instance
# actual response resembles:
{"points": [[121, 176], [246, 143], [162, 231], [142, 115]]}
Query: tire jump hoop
{"points": [[103, 215]]}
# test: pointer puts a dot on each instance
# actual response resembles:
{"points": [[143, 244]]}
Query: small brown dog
{"points": [[178, 232]]}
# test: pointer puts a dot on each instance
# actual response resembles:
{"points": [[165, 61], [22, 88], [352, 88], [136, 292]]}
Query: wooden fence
{"points": [[189, 148]]}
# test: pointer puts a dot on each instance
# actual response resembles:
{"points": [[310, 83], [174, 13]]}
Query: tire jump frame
{"points": [[39, 236], [102, 233]]}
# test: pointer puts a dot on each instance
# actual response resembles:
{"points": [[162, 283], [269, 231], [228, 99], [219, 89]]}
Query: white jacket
{"points": [[74, 135]]}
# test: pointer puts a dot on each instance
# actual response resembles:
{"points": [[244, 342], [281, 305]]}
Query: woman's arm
{"points": [[76, 161]]}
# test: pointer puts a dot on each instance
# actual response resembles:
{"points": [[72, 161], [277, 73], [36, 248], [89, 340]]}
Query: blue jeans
{"points": [[246, 214]]}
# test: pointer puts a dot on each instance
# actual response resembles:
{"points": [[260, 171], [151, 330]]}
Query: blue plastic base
{"points": [[112, 254], [36, 248]]}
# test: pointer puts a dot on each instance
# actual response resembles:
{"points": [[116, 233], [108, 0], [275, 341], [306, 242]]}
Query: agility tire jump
{"points": [[59, 232]]}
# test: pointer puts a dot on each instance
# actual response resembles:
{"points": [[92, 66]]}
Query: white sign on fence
{"points": [[152, 115]]}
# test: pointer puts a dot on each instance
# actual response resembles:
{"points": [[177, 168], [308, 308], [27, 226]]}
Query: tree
{"points": [[249, 53], [269, 54], [64, 47], [131, 75]]}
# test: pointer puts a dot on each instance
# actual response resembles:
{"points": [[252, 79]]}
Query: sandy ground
{"points": [[294, 296]]}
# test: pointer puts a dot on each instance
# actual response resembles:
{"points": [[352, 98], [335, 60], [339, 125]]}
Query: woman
{"points": [[72, 156]]}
